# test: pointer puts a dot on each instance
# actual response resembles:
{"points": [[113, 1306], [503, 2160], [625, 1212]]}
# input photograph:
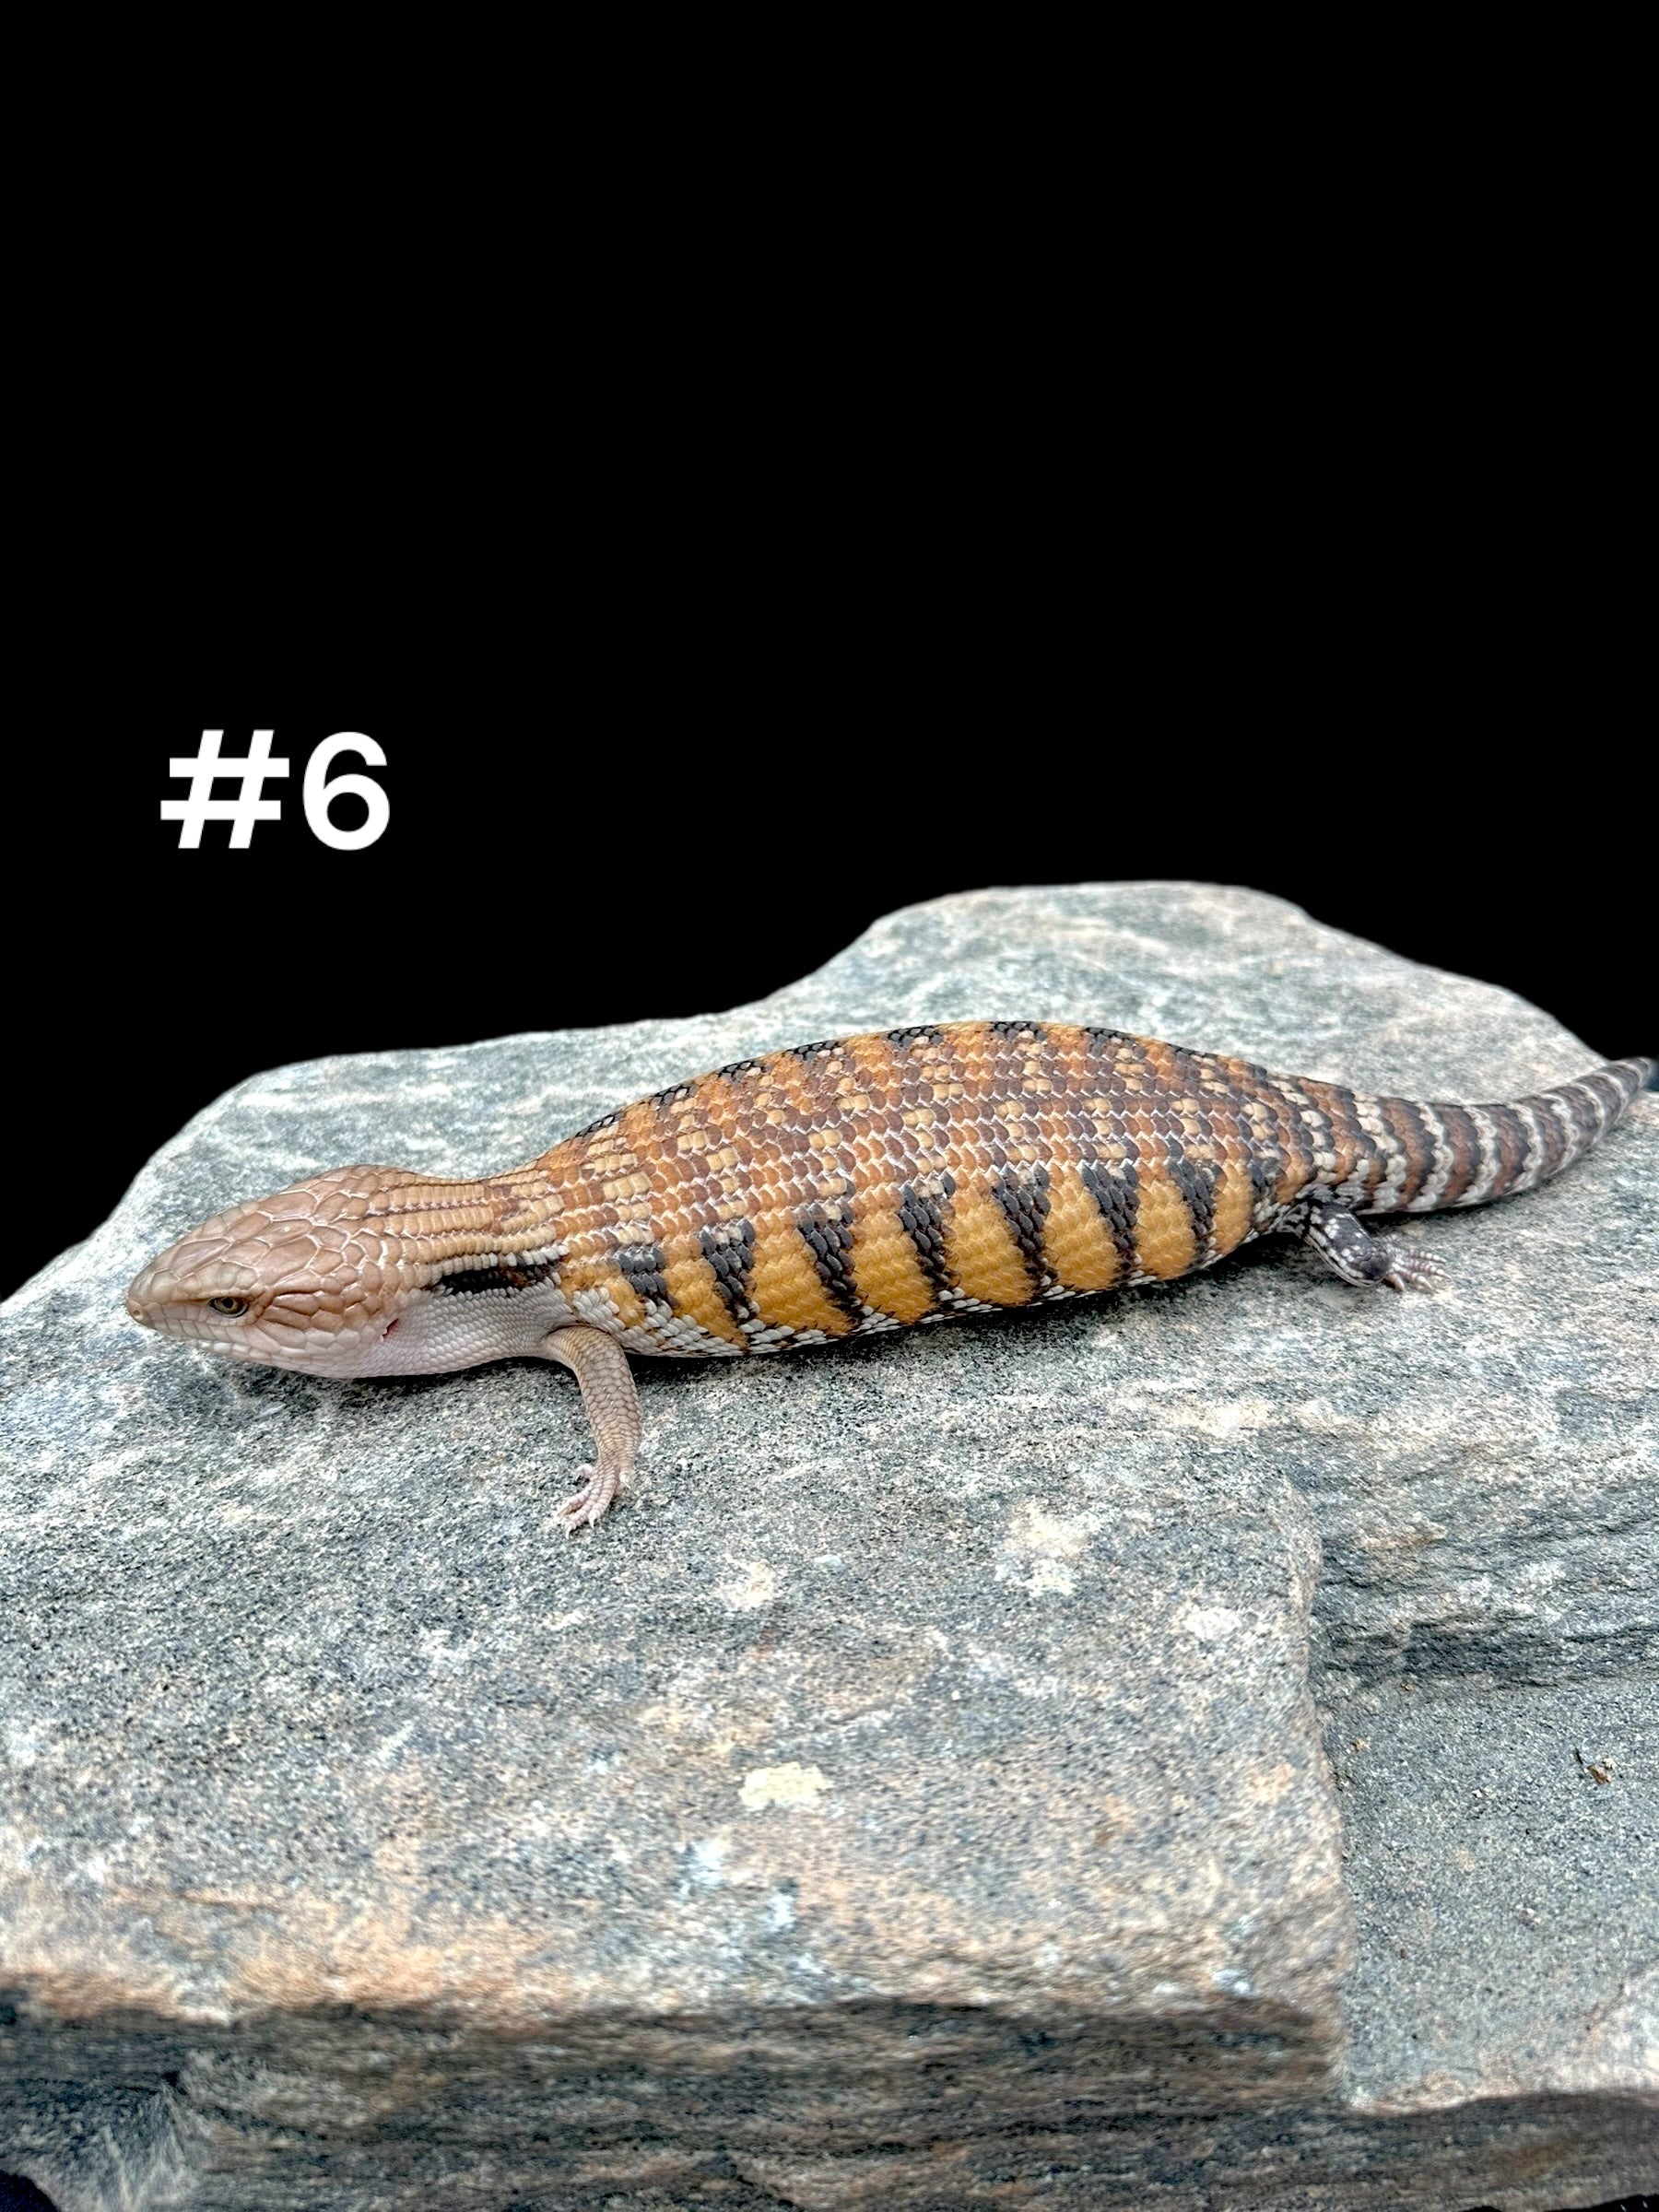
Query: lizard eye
{"points": [[228, 1305]]}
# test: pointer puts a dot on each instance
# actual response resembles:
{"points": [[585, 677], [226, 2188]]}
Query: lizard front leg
{"points": [[1349, 1249], [600, 1365]]}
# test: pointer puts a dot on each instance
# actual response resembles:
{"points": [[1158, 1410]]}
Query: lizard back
{"points": [[881, 1181]]}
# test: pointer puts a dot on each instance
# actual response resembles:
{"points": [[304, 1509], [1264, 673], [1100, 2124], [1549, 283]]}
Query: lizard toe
{"points": [[1409, 1269]]}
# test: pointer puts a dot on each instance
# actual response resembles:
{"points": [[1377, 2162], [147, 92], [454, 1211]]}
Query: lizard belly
{"points": [[441, 1331]]}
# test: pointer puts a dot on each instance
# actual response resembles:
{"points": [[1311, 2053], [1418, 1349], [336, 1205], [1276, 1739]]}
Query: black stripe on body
{"points": [[1290, 1138], [1582, 1113], [1461, 1137], [923, 1220], [1197, 1181], [730, 1251], [473, 1279], [830, 1240], [1116, 1191], [1264, 1172], [1263, 1147], [1514, 1148], [901, 1038], [1349, 1133], [1551, 1135], [1023, 1196], [1416, 1142], [640, 1267]]}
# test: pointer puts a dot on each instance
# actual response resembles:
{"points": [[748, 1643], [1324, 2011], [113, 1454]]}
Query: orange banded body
{"points": [[876, 1181], [870, 1182]]}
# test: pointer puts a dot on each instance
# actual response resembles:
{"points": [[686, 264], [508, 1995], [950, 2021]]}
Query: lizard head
{"points": [[309, 1277], [364, 1271]]}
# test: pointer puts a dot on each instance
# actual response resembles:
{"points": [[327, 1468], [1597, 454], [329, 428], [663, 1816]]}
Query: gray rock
{"points": [[917, 1798]]}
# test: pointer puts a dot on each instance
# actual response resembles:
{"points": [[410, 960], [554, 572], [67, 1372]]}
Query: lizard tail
{"points": [[1468, 1155]]}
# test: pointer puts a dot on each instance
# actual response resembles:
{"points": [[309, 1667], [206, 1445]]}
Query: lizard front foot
{"points": [[587, 1506], [598, 1363]]}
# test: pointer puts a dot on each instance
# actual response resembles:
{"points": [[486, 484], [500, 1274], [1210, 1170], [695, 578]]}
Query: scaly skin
{"points": [[871, 1183]]}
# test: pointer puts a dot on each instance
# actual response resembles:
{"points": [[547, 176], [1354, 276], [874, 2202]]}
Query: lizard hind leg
{"points": [[1349, 1249], [612, 1404]]}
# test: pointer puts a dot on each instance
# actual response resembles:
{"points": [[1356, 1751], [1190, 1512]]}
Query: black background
{"points": [[676, 844], [1239, 535]]}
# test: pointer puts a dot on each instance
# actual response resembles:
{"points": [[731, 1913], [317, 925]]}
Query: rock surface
{"points": [[917, 1799]]}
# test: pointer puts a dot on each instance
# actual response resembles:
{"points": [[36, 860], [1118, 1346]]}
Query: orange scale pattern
{"points": [[879, 1181], [955, 1162]]}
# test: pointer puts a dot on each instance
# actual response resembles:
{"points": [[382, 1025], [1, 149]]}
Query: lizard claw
{"points": [[1409, 1269], [588, 1506]]}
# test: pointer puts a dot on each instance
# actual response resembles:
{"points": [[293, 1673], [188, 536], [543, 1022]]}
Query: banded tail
{"points": [[1436, 1155]]}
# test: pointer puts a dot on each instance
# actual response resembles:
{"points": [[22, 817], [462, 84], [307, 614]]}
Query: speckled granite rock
{"points": [[916, 1799]]}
